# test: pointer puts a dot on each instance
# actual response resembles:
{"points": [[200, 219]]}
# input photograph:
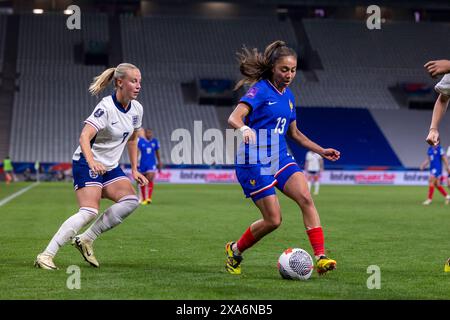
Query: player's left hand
{"points": [[159, 167], [140, 178], [331, 154]]}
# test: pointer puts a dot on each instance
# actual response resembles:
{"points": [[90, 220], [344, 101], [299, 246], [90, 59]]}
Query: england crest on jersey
{"points": [[92, 174], [98, 113]]}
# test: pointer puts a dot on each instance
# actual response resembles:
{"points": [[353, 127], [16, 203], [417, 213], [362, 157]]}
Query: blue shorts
{"points": [[257, 185], [147, 167], [436, 172], [84, 177]]}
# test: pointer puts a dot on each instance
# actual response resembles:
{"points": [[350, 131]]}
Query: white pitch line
{"points": [[18, 193]]}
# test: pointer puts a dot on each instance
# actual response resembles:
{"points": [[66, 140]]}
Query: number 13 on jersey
{"points": [[281, 122]]}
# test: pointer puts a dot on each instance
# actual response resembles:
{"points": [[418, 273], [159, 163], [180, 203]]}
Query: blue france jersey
{"points": [[435, 156], [148, 150], [271, 114]]}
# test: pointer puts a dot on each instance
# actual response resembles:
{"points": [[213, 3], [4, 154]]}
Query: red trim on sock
{"points": [[430, 192], [246, 241], [317, 241]]}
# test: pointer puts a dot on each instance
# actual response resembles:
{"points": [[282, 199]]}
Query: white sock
{"points": [[316, 187], [113, 216], [69, 229]]}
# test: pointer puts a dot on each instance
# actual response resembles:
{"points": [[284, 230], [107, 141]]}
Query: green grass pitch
{"points": [[174, 248]]}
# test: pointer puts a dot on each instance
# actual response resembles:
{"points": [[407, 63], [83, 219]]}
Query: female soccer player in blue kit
{"points": [[435, 157], [111, 127], [148, 147], [269, 109]]}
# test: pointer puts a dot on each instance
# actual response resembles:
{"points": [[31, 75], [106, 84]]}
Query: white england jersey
{"points": [[313, 161], [114, 127]]}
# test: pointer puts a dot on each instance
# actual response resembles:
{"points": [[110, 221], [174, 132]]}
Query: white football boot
{"points": [[45, 261], [86, 250]]}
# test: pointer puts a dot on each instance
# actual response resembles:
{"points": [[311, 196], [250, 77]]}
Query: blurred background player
{"points": [[435, 158], [148, 147], [268, 108], [8, 169], [96, 172], [314, 168], [436, 68]]}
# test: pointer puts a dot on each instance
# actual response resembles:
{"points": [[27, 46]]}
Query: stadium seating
{"points": [[352, 131], [359, 66], [2, 39]]}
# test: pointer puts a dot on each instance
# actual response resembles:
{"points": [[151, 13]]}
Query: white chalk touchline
{"points": [[18, 193]]}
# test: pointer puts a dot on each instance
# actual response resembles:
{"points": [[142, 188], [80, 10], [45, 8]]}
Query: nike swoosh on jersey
{"points": [[272, 102], [113, 123]]}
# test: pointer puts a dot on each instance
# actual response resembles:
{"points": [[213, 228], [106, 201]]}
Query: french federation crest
{"points": [[291, 105], [252, 182], [135, 120], [92, 174], [99, 112]]}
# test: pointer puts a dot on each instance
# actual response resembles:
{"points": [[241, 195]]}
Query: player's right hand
{"points": [[97, 167], [433, 137]]}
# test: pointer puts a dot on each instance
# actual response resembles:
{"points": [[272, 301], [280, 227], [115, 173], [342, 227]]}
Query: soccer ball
{"points": [[295, 264]]}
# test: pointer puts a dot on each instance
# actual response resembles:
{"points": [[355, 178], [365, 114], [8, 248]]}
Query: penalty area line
{"points": [[18, 193]]}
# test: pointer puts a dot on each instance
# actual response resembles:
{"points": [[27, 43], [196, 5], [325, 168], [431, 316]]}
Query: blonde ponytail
{"points": [[101, 81]]}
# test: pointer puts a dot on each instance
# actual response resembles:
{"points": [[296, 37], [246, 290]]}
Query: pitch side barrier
{"points": [[200, 174]]}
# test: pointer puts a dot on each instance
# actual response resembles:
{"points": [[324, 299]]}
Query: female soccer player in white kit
{"points": [[96, 171], [436, 68], [313, 167]]}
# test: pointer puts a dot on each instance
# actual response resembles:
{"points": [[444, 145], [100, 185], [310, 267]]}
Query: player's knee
{"points": [[130, 202], [273, 223], [88, 214], [305, 200]]}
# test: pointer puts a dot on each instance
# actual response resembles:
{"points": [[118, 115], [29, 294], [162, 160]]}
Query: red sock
{"points": [[143, 193], [246, 241], [442, 190], [317, 241], [150, 189], [430, 192]]}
